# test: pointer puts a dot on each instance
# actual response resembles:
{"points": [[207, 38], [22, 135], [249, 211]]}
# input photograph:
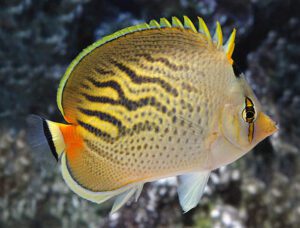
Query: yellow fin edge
{"points": [[153, 24], [96, 197]]}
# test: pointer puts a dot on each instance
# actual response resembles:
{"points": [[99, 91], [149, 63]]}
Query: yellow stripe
{"points": [[145, 78], [103, 125], [103, 92], [122, 114], [131, 90]]}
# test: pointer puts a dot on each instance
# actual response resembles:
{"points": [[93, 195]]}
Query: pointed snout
{"points": [[264, 127]]}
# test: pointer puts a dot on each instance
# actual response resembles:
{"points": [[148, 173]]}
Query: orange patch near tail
{"points": [[73, 141]]}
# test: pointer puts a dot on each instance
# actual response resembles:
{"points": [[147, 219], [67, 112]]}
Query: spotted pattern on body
{"points": [[142, 106]]}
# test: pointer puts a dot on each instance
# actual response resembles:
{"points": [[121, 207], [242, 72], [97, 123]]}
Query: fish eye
{"points": [[249, 116], [248, 113]]}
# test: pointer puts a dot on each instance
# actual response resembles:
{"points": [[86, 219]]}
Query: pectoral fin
{"points": [[122, 199], [138, 192], [190, 189]]}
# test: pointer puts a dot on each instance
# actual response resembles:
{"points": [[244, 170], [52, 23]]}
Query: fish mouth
{"points": [[264, 127]]}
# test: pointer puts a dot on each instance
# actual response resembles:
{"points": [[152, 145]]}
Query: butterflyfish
{"points": [[155, 100]]}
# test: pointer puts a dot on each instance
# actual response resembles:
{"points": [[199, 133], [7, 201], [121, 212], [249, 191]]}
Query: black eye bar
{"points": [[250, 111]]}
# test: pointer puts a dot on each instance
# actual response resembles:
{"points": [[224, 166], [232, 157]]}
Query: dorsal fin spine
{"points": [[229, 46], [176, 22], [189, 24], [154, 24], [165, 23], [218, 36], [203, 29]]}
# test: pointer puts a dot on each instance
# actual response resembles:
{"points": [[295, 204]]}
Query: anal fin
{"points": [[190, 189], [121, 195], [96, 197]]}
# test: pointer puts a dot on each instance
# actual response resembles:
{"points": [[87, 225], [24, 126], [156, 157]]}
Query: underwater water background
{"points": [[39, 38]]}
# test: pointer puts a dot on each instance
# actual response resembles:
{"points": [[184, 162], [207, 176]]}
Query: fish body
{"points": [[153, 101]]}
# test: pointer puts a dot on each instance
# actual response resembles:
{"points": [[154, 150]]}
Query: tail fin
{"points": [[45, 138]]}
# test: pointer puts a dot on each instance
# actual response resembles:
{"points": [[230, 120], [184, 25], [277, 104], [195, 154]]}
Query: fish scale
{"points": [[152, 101]]}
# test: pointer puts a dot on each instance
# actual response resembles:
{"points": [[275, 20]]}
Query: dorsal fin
{"points": [[153, 24]]}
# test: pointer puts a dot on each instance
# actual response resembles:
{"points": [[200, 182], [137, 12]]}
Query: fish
{"points": [[151, 101]]}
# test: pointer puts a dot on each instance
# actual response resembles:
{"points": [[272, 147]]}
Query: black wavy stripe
{"points": [[144, 79], [102, 71], [116, 122], [137, 128], [96, 131], [128, 104], [112, 84], [102, 116], [165, 61]]}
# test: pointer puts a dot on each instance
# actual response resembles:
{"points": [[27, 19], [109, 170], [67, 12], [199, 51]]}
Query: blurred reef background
{"points": [[39, 38]]}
